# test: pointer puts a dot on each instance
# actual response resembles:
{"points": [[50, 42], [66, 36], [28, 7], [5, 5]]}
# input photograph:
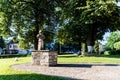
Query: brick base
{"points": [[44, 58]]}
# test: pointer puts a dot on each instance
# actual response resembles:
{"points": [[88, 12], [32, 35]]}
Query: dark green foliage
{"points": [[48, 36], [28, 76], [24, 18], [80, 20], [70, 35], [2, 43], [114, 52], [87, 21], [96, 15], [71, 31], [24, 43]]}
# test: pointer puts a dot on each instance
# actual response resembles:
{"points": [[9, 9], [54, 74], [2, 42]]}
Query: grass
{"points": [[12, 55], [7, 73], [71, 58]]}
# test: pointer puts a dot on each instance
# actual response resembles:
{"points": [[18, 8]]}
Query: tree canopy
{"points": [[24, 18], [79, 20], [70, 31], [99, 16], [91, 19]]}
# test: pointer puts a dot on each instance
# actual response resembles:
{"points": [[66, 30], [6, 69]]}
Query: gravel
{"points": [[76, 71]]}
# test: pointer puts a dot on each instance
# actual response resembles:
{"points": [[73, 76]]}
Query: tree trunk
{"points": [[91, 39], [83, 48], [35, 36], [35, 40], [36, 31]]}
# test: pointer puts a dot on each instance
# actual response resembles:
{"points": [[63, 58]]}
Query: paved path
{"points": [[76, 71]]}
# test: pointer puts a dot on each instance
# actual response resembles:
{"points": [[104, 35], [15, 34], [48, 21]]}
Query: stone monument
{"points": [[43, 57]]}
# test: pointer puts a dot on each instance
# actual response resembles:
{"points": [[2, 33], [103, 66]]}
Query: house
{"points": [[11, 47]]}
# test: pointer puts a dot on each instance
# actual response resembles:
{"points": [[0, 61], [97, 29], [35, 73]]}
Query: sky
{"points": [[105, 36], [118, 3]]}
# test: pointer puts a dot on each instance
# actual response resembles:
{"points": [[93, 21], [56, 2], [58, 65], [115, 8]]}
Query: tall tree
{"points": [[92, 17], [99, 16], [24, 18], [71, 31]]}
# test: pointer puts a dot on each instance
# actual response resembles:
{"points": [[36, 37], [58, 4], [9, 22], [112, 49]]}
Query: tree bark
{"points": [[79, 46], [35, 37], [35, 40], [36, 31], [91, 38]]}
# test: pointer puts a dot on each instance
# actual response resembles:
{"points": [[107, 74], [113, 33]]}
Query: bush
{"points": [[112, 52], [117, 45], [107, 53]]}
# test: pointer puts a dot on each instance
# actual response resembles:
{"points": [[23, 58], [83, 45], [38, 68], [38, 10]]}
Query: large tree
{"points": [[93, 18], [99, 16], [24, 18], [70, 31]]}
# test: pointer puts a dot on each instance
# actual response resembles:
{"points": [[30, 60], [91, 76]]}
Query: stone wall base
{"points": [[44, 58]]}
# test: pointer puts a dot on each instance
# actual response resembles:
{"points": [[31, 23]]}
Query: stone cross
{"points": [[40, 37]]}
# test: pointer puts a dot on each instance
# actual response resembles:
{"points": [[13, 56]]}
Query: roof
{"points": [[12, 42]]}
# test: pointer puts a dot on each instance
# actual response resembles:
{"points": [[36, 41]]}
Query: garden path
{"points": [[76, 71]]}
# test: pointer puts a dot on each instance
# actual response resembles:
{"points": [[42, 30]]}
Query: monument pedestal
{"points": [[44, 57]]}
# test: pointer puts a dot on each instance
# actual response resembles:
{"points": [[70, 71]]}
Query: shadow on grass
{"points": [[74, 65], [110, 56], [33, 77], [68, 56], [28, 77], [85, 65]]}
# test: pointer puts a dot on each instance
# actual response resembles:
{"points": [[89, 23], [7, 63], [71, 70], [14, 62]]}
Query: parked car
{"points": [[22, 51]]}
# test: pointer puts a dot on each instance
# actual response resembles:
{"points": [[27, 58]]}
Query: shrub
{"points": [[117, 45], [107, 53], [112, 52]]}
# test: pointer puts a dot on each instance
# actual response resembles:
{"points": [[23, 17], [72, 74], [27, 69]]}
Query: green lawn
{"points": [[71, 58], [7, 73]]}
